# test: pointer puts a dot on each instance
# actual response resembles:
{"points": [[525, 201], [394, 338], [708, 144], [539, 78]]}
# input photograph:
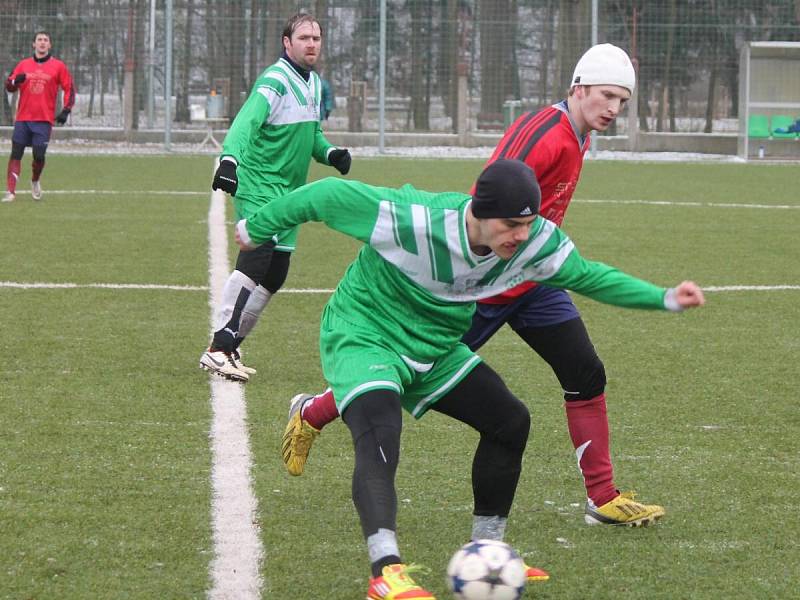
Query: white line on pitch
{"points": [[123, 193], [202, 288], [111, 286], [235, 571], [691, 204], [687, 203], [749, 288]]}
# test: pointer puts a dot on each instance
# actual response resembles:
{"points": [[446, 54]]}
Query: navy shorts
{"points": [[31, 133], [538, 307]]}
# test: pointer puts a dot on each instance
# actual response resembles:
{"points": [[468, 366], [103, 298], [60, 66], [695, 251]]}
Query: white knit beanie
{"points": [[605, 64]]}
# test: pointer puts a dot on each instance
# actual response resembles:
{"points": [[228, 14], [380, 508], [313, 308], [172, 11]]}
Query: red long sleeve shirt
{"points": [[37, 94], [549, 144]]}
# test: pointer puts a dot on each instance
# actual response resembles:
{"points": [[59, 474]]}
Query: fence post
{"points": [[461, 101], [127, 96]]}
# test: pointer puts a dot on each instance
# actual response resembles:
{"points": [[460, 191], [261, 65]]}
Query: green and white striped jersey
{"points": [[415, 281], [277, 132]]}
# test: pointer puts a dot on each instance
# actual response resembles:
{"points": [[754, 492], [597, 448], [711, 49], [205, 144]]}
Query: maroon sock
{"points": [[320, 410], [37, 167], [14, 167], [588, 428]]}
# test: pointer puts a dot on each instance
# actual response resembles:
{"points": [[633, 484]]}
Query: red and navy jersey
{"points": [[37, 94], [548, 143]]}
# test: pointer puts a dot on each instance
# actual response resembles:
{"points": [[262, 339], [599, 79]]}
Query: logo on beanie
{"points": [[526, 212]]}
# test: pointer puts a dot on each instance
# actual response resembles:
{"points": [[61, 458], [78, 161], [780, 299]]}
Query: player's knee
{"points": [[17, 150], [588, 379], [515, 424], [375, 422], [38, 153], [277, 272], [255, 263]]}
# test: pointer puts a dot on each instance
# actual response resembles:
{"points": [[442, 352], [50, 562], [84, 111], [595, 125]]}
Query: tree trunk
{"points": [[666, 77], [545, 55], [279, 12], [448, 59], [497, 26], [182, 113], [8, 23], [420, 53], [644, 105], [573, 40], [253, 67]]}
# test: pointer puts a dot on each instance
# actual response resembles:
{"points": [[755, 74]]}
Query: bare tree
{"points": [[182, 114], [420, 61], [497, 23]]}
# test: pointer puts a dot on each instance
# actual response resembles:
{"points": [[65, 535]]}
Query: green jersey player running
{"points": [[390, 334], [266, 153]]}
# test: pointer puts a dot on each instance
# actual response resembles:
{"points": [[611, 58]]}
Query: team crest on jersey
{"points": [[312, 104]]}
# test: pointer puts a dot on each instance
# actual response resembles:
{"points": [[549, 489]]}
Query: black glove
{"points": [[20, 78], [62, 116], [225, 178], [340, 159]]}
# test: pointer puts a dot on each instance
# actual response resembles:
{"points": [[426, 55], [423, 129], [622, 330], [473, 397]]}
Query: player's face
{"points": [[504, 236], [304, 45], [41, 45], [599, 105]]}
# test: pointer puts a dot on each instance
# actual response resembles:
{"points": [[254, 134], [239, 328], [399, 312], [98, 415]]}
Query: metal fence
{"points": [[506, 54]]}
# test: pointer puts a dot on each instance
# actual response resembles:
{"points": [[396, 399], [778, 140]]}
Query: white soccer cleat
{"points": [[222, 364], [36, 190], [237, 360], [9, 197]]}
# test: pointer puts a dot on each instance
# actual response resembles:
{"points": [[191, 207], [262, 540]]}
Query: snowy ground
{"points": [[440, 152]]}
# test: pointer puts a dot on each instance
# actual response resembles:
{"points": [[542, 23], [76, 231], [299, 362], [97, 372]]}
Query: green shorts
{"points": [[245, 207], [356, 360]]}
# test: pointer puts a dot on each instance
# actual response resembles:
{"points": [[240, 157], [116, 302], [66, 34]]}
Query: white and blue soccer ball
{"points": [[486, 570]]}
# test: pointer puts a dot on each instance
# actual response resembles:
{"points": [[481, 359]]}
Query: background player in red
{"points": [[37, 78], [552, 142]]}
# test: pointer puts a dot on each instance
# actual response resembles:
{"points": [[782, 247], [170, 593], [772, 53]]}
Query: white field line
{"points": [[680, 204], [201, 288], [688, 204], [238, 552], [121, 193], [110, 286]]}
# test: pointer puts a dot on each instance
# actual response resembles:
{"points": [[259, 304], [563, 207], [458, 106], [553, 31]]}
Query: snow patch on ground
{"points": [[83, 146]]}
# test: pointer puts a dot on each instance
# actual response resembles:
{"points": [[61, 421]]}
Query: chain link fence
{"points": [[495, 56]]}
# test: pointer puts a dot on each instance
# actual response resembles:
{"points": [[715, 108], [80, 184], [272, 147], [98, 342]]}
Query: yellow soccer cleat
{"points": [[396, 584], [532, 574], [623, 510], [297, 437]]}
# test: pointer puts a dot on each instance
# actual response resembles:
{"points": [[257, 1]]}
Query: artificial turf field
{"points": [[105, 460]]}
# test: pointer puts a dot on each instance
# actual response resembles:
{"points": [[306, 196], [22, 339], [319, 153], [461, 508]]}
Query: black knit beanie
{"points": [[506, 189]]}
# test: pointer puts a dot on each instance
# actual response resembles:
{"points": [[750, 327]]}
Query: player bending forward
{"points": [[390, 334]]}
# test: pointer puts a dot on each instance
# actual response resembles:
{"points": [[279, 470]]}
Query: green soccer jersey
{"points": [[416, 280], [276, 133]]}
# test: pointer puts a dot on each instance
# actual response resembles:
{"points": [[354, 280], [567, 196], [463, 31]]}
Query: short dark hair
{"points": [[295, 21], [42, 32]]}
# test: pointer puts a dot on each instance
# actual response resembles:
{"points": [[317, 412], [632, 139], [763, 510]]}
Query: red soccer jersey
{"points": [[549, 144], [37, 94]]}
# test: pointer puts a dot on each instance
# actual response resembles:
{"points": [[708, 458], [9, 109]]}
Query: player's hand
{"points": [[340, 159], [20, 78], [685, 295], [225, 178], [62, 116]]}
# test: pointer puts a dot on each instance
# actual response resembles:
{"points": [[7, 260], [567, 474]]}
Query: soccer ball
{"points": [[486, 570]]}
